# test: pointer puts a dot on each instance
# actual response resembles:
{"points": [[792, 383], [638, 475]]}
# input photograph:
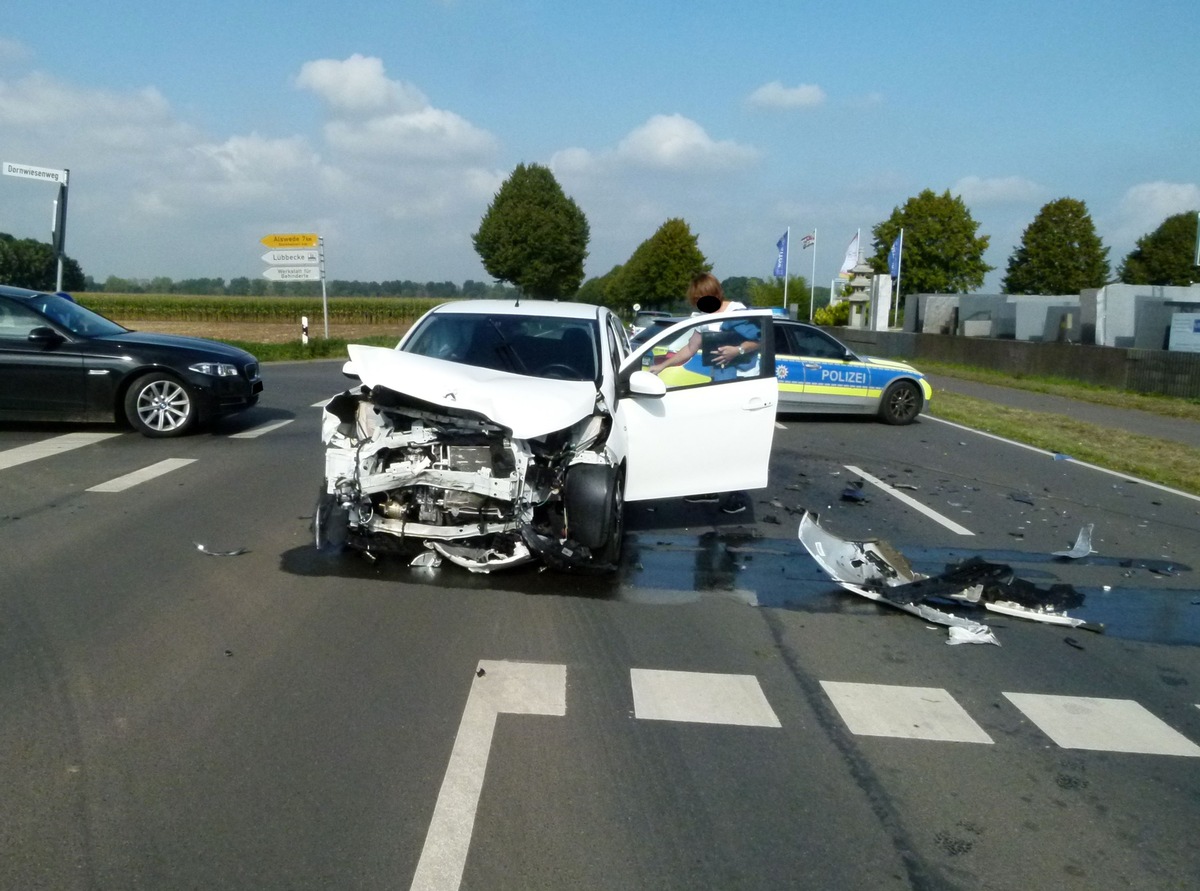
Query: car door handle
{"points": [[815, 366], [757, 404]]}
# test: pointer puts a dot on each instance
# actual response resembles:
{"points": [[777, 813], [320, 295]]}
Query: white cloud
{"points": [[776, 95], [376, 117], [675, 143], [996, 190], [430, 134], [359, 85], [1145, 206]]}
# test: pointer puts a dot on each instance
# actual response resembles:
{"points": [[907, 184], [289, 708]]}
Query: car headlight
{"points": [[216, 369]]}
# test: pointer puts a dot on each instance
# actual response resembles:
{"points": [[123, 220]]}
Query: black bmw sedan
{"points": [[62, 362]]}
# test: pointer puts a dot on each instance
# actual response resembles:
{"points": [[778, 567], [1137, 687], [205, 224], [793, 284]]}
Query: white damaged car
{"points": [[502, 432]]}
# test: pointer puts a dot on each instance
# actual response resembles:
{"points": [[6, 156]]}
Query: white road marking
{"points": [[701, 698], [254, 432], [911, 502], [49, 447], [1107, 725], [522, 688], [1116, 473], [904, 712], [121, 483]]}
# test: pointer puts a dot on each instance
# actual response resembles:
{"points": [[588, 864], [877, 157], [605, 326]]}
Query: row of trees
{"points": [[535, 237]]}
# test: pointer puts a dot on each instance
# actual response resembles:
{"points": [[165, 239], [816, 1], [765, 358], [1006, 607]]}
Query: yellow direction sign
{"points": [[291, 240]]}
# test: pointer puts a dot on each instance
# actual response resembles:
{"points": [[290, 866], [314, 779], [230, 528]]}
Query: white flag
{"points": [[851, 257]]}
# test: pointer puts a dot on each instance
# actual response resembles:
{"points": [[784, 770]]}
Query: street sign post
{"points": [[291, 263], [58, 223]]}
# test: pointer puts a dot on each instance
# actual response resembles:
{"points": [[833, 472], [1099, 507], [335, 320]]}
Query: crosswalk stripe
{"points": [[906, 712], [701, 698], [1108, 725], [48, 447], [121, 483]]}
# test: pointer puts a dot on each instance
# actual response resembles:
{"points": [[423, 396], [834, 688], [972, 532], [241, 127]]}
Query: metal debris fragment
{"points": [[1082, 546], [204, 549], [877, 571]]}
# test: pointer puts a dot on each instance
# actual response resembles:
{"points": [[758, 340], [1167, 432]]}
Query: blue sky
{"points": [[193, 130]]}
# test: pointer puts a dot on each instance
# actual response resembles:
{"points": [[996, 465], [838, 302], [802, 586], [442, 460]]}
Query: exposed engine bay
{"points": [[406, 476]]}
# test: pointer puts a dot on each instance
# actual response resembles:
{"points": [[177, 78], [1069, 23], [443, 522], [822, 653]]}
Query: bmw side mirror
{"points": [[45, 337]]}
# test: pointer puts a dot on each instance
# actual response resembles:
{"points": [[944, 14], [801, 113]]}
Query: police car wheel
{"points": [[901, 403]]}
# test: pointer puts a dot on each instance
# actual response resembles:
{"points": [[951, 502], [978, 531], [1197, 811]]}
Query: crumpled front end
{"points": [[433, 482]]}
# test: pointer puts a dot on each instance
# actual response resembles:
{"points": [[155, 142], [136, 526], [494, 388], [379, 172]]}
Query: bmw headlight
{"points": [[216, 369]]}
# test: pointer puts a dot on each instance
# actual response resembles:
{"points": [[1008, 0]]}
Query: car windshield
{"points": [[73, 317], [537, 346]]}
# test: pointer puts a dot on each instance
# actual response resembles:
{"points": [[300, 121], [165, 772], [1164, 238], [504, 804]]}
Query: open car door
{"points": [[711, 431]]}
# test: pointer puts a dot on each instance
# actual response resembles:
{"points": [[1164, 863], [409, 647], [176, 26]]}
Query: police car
{"points": [[818, 373]]}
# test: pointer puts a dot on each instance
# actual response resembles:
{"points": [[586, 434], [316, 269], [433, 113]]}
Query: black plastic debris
{"points": [[854, 493], [1022, 497]]}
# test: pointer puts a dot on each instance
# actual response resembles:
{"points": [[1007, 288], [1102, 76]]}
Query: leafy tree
{"points": [[942, 253], [1166, 256], [28, 263], [533, 235], [657, 274], [1060, 253], [770, 293], [600, 290]]}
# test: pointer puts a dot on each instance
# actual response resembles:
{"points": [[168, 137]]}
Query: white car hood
{"points": [[528, 406]]}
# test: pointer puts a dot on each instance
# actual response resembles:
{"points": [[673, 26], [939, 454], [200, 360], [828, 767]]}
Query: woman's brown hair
{"points": [[705, 284]]}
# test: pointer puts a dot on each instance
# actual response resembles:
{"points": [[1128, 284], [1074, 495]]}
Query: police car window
{"points": [[810, 342]]}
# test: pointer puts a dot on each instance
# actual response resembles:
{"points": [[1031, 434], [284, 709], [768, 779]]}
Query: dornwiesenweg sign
{"points": [[46, 174]]}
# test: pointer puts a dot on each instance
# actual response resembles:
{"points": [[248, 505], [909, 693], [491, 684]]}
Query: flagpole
{"points": [[899, 270], [787, 249], [812, 282]]}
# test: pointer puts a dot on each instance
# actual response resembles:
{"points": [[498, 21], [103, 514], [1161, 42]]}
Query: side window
{"points": [[711, 352], [618, 342], [17, 321]]}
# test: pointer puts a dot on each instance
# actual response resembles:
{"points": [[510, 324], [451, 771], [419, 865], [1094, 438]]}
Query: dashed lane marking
{"points": [[906, 712], [255, 432], [1106, 725], [911, 502], [701, 698], [129, 480], [49, 447]]}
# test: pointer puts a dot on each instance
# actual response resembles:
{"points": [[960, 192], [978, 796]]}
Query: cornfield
{"points": [[181, 308]]}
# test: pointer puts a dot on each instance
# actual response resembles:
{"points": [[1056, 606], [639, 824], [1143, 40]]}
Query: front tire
{"points": [[901, 403], [159, 405]]}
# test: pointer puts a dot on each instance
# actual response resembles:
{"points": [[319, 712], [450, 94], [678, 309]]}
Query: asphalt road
{"points": [[718, 715]]}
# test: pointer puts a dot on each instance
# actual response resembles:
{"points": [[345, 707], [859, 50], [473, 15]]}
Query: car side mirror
{"points": [[349, 371], [45, 337], [646, 383]]}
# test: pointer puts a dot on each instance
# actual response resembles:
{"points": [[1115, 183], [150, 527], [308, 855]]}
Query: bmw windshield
{"points": [[74, 318]]}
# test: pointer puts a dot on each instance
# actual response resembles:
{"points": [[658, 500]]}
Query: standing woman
{"points": [[706, 295]]}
